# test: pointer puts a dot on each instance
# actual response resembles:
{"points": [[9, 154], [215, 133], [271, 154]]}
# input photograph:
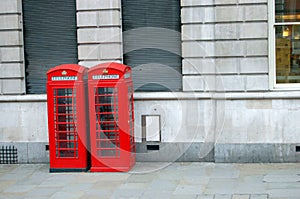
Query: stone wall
{"points": [[11, 48], [258, 129], [231, 127], [23, 124], [225, 45], [99, 31]]}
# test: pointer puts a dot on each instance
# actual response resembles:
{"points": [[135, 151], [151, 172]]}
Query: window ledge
{"points": [[139, 96], [216, 96], [23, 98]]}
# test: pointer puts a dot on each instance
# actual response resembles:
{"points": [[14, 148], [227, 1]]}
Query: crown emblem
{"points": [[105, 71], [64, 72]]}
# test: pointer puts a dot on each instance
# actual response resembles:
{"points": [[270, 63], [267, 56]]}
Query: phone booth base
{"points": [[123, 163], [67, 118], [111, 116], [61, 170], [111, 169], [107, 169]]}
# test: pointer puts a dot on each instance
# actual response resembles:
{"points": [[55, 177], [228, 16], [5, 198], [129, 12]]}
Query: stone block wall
{"points": [[264, 130], [23, 124], [11, 48], [225, 45], [99, 31]]}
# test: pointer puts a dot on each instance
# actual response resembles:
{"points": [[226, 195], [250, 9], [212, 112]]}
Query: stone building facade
{"points": [[228, 109]]}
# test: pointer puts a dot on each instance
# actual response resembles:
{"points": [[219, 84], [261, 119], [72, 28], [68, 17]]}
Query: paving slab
{"points": [[205, 196], [42, 192], [284, 193], [185, 189], [150, 194], [259, 196], [282, 178], [187, 180], [240, 196], [223, 196], [221, 186]]}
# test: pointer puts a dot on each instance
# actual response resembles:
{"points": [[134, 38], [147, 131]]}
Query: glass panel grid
{"points": [[66, 135], [107, 129]]}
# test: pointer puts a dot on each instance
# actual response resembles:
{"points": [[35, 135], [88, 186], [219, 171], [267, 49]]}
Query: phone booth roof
{"points": [[66, 70], [111, 65], [71, 67], [110, 68]]}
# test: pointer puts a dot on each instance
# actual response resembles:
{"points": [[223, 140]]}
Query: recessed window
{"points": [[152, 43], [287, 42], [50, 39]]}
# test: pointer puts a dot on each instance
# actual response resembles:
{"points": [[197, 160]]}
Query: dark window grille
{"points": [[8, 155], [50, 39], [156, 60]]}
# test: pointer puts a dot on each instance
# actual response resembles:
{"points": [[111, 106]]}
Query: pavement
{"points": [[155, 180]]}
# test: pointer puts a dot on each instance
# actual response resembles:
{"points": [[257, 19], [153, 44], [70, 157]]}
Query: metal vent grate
{"points": [[8, 155]]}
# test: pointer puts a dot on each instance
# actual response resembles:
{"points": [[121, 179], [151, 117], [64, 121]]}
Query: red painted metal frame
{"points": [[111, 116], [67, 118]]}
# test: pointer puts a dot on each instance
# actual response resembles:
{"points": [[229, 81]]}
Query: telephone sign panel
{"points": [[111, 116], [67, 118]]}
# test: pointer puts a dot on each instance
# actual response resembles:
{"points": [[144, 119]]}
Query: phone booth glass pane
{"points": [[66, 136], [107, 119]]}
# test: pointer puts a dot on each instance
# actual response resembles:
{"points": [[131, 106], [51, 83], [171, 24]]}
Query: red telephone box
{"points": [[67, 118], [110, 90]]}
